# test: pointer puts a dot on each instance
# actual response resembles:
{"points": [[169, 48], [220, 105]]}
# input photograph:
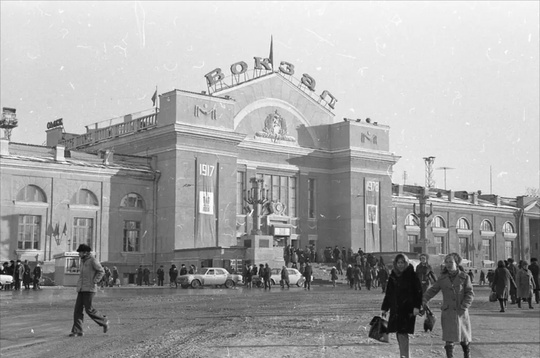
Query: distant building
{"points": [[217, 179]]}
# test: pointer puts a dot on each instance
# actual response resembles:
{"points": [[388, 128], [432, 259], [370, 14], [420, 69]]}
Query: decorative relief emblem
{"points": [[278, 208], [204, 110], [369, 137], [275, 128]]}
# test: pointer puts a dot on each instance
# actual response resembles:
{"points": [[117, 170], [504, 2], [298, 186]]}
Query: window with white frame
{"points": [[31, 193], [486, 225], [132, 235], [412, 220], [439, 243], [508, 228], [463, 224], [464, 247], [132, 200], [486, 249], [438, 222], [412, 240], [29, 231], [509, 249], [83, 232]]}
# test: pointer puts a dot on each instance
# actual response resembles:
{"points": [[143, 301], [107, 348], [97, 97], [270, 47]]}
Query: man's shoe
{"points": [[106, 327], [75, 334]]}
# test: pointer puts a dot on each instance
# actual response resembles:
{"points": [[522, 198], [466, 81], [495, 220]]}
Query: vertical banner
{"points": [[371, 194], [206, 172]]}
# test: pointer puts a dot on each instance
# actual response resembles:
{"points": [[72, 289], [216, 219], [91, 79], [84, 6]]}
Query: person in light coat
{"points": [[458, 295], [525, 284]]}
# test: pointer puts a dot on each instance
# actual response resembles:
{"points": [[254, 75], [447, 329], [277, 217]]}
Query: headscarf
{"points": [[400, 257]]}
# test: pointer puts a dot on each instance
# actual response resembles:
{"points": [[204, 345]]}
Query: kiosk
{"points": [[66, 268]]}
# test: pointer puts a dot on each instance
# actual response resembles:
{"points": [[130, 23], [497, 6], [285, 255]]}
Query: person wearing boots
{"points": [[502, 279], [525, 284], [403, 298], [458, 295]]}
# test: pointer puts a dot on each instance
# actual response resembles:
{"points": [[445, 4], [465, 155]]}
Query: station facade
{"points": [[232, 174]]}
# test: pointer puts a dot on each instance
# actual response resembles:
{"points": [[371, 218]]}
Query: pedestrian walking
{"points": [[90, 274], [368, 276], [308, 272], [333, 276], [267, 273], [160, 275], [458, 295], [27, 275], [425, 272], [482, 278], [383, 277], [173, 274], [535, 270], [349, 276], [140, 275], [18, 272], [248, 276], [513, 289], [357, 276], [285, 277], [37, 276], [146, 276], [471, 275], [403, 298], [502, 280], [525, 284], [115, 276]]}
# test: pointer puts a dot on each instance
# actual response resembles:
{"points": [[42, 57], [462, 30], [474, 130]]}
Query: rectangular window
{"points": [[508, 249], [240, 192], [311, 198], [292, 196], [412, 239], [132, 231], [464, 247], [439, 242], [29, 232], [486, 249], [83, 232]]}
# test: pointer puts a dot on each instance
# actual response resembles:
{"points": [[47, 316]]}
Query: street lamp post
{"points": [[257, 196], [422, 216]]}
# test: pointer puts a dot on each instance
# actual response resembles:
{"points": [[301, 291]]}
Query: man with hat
{"points": [[90, 275]]}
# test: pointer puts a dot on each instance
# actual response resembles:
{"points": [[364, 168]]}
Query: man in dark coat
{"points": [[140, 276], [37, 276], [267, 272], [535, 270], [403, 298], [513, 289], [160, 275], [308, 272]]}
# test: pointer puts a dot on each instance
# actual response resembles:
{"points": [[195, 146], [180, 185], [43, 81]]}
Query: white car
{"points": [[210, 276], [295, 277], [5, 280]]}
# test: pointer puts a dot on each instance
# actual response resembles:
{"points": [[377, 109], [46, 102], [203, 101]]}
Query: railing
{"points": [[117, 130]]}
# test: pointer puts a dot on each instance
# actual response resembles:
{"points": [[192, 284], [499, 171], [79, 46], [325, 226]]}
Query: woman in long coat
{"points": [[501, 284], [524, 283], [403, 298], [457, 291]]}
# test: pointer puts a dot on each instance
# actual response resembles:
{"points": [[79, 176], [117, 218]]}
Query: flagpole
{"points": [[271, 55]]}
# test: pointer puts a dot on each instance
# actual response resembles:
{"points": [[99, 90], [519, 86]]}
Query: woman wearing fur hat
{"points": [[458, 295], [403, 298]]}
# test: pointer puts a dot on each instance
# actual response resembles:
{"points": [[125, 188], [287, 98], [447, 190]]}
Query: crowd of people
{"points": [[23, 275]]}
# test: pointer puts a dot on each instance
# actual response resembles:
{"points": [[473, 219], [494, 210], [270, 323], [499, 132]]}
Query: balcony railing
{"points": [[117, 130]]}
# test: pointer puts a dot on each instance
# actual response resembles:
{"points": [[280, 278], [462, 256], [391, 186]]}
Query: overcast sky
{"points": [[455, 80]]}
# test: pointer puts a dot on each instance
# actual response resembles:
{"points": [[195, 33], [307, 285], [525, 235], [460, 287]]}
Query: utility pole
{"points": [[445, 169]]}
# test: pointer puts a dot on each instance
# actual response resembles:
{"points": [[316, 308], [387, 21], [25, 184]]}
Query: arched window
{"points": [[85, 197], [463, 224], [412, 220], [508, 228], [132, 200], [486, 225], [438, 221], [31, 193]]}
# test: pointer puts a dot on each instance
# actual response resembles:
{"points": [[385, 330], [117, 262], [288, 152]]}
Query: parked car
{"points": [[210, 276], [5, 280], [295, 277]]}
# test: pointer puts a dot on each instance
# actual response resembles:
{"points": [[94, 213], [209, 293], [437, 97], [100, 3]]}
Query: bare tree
{"points": [[532, 192]]}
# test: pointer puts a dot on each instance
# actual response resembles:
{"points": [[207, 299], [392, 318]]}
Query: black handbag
{"points": [[493, 296], [378, 330], [429, 321]]}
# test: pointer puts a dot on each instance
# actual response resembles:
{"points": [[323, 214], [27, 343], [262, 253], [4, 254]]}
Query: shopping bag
{"points": [[493, 296], [429, 321], [378, 329]]}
